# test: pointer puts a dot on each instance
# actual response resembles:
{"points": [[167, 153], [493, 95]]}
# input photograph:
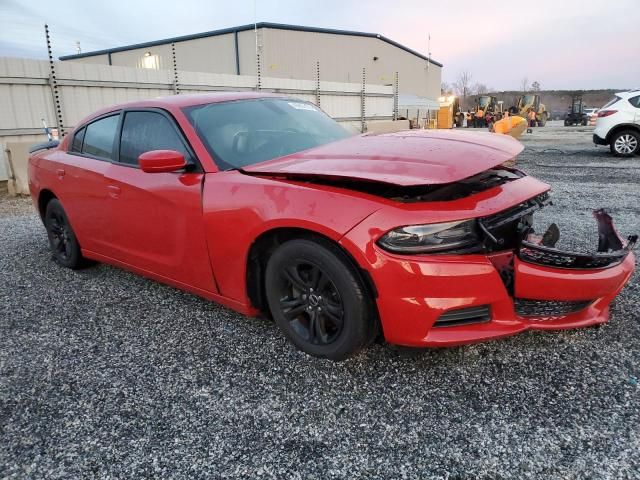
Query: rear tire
{"points": [[625, 143], [318, 299], [62, 240]]}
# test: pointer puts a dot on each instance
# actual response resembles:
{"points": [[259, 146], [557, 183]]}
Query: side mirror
{"points": [[158, 161]]}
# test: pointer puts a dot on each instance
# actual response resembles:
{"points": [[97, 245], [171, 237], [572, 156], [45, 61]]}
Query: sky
{"points": [[562, 44]]}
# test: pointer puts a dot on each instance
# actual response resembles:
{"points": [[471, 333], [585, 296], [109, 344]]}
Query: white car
{"points": [[618, 124]]}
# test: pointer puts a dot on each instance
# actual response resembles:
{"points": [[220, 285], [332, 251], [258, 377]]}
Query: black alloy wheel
{"points": [[311, 303], [318, 299], [62, 239]]}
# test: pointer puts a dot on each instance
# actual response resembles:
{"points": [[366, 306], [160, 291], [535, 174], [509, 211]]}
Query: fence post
{"points": [[395, 97], [258, 73], [362, 101], [318, 83], [53, 83], [176, 83]]}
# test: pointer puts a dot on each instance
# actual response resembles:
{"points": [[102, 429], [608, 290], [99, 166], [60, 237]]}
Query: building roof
{"points": [[242, 28]]}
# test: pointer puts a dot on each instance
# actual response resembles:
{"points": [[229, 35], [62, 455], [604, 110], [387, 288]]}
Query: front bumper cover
{"points": [[446, 300]]}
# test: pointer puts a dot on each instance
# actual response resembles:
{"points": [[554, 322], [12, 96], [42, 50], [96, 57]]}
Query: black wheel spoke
{"points": [[334, 314], [313, 325], [321, 282], [288, 303], [294, 312], [321, 328], [294, 278]]}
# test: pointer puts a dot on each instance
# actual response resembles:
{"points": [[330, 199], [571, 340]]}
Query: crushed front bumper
{"points": [[446, 300]]}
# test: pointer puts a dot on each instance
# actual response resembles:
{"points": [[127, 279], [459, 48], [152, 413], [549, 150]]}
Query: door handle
{"points": [[60, 173], [114, 192]]}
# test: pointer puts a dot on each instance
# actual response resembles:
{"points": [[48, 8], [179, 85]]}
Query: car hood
{"points": [[415, 157]]}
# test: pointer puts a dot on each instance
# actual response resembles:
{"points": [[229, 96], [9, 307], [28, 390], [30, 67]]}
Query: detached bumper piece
{"points": [[546, 309], [612, 250]]}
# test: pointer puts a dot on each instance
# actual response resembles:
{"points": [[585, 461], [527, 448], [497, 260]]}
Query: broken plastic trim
{"points": [[612, 250]]}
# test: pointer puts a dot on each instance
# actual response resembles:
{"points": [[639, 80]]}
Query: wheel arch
{"points": [[267, 242], [619, 128], [44, 197]]}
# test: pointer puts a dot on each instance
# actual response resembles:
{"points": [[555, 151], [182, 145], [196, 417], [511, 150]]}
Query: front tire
{"points": [[625, 143], [318, 299], [62, 240]]}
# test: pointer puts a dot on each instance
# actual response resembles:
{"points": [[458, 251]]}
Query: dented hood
{"points": [[415, 157]]}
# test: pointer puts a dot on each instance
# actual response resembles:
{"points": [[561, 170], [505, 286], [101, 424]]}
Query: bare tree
{"points": [[445, 89], [535, 86], [524, 84], [463, 84], [480, 89]]}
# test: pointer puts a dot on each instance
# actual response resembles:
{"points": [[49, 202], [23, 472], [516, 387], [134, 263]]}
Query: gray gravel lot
{"points": [[107, 375]]}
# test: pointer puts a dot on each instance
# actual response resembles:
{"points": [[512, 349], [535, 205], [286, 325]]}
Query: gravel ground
{"points": [[104, 374]]}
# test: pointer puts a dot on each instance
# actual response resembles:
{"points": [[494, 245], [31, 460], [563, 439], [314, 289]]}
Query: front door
{"points": [[156, 218]]}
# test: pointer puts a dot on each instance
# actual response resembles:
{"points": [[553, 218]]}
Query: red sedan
{"points": [[265, 204]]}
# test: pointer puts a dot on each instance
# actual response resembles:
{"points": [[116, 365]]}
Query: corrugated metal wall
{"points": [[26, 94], [293, 54]]}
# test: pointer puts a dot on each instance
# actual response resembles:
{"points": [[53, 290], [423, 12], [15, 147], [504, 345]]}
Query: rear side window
{"points": [[76, 145], [146, 131], [611, 102], [635, 101], [99, 137]]}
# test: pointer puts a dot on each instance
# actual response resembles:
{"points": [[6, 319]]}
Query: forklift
{"points": [[575, 113]]}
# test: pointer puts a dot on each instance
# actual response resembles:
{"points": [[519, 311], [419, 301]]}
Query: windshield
{"points": [[528, 99], [245, 132], [483, 101]]}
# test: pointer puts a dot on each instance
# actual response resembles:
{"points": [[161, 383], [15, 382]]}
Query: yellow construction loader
{"points": [[527, 101]]}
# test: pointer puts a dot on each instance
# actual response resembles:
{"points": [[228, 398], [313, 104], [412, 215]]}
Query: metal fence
{"points": [[62, 93]]}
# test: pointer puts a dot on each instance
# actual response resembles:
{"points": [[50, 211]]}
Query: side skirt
{"points": [[235, 305]]}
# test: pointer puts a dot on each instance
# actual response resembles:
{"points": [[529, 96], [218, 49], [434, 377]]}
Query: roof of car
{"points": [[188, 100], [182, 100]]}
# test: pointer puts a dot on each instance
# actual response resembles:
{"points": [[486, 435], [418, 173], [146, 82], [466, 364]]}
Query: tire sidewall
{"points": [[357, 328]]}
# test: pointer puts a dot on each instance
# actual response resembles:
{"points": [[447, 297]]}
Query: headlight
{"points": [[436, 237]]}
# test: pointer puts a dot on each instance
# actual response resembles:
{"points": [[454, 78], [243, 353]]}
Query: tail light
{"points": [[606, 113]]}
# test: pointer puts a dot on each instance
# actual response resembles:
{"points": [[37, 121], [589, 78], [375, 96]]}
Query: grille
{"points": [[547, 309], [463, 316], [541, 255]]}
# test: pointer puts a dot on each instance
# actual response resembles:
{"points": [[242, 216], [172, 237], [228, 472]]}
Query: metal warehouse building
{"points": [[285, 51]]}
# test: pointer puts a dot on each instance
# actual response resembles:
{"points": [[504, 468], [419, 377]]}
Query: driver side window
{"points": [[146, 131]]}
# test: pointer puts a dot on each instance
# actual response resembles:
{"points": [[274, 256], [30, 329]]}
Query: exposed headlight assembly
{"points": [[433, 238]]}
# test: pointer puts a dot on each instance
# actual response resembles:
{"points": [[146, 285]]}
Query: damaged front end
{"points": [[510, 234], [513, 230]]}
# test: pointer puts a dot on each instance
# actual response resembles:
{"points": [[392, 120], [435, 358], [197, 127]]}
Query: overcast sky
{"points": [[563, 44]]}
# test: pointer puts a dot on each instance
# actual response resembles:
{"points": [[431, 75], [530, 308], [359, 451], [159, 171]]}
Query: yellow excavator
{"points": [[527, 101]]}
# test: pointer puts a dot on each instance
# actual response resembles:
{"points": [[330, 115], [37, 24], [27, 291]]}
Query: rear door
{"points": [[156, 218], [635, 101], [81, 176]]}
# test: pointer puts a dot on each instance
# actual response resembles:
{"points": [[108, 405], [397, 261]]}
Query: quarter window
{"points": [[76, 145], [146, 131], [99, 137], [635, 101]]}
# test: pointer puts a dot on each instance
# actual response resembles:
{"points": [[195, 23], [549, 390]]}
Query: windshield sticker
{"points": [[302, 106]]}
